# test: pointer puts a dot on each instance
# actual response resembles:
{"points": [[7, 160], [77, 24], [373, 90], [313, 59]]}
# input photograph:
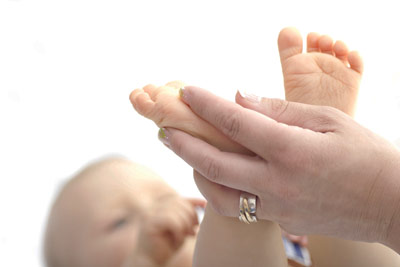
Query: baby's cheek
{"points": [[128, 241], [117, 246]]}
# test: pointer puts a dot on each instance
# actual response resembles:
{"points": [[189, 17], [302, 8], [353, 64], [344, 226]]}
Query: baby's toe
{"points": [[355, 61], [142, 102], [325, 44], [312, 42], [151, 89], [341, 51], [290, 43]]}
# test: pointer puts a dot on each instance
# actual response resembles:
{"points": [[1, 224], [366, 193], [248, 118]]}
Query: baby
{"points": [[117, 213]]}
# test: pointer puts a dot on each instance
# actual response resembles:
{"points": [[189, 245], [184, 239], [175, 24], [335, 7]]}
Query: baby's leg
{"points": [[328, 74], [222, 241]]}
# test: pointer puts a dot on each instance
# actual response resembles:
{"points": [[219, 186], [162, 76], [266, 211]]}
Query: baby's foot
{"points": [[327, 74], [163, 106]]}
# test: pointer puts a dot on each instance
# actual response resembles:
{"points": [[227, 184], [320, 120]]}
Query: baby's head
{"points": [[94, 220]]}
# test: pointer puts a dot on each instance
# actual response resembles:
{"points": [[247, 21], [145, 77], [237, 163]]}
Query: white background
{"points": [[67, 68]]}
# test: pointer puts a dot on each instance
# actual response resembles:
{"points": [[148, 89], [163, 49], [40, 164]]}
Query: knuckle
{"points": [[323, 118], [278, 107], [177, 146], [211, 168], [231, 123], [327, 117], [218, 207]]}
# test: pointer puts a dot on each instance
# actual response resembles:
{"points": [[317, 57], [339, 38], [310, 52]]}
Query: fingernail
{"points": [[163, 136], [250, 97], [182, 92]]}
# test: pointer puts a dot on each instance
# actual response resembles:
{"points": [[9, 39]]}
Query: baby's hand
{"points": [[165, 227]]}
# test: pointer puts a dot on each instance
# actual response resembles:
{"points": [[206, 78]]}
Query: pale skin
{"points": [[328, 74], [118, 213]]}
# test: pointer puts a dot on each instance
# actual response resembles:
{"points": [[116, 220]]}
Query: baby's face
{"points": [[105, 208]]}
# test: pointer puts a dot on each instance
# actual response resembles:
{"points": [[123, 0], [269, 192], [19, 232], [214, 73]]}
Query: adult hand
{"points": [[315, 170]]}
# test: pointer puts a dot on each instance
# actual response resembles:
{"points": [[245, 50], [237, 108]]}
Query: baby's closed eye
{"points": [[121, 222]]}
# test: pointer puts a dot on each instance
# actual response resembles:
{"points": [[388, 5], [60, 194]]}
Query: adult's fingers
{"points": [[224, 200], [257, 132], [230, 169]]}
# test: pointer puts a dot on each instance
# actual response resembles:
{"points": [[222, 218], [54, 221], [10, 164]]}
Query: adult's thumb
{"points": [[316, 118]]}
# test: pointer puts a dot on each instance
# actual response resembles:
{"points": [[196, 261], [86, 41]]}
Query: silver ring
{"points": [[247, 208]]}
